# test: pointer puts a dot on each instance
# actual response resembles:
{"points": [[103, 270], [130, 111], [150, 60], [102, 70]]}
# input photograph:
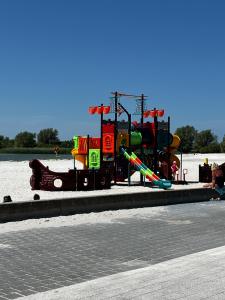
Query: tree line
{"points": [[48, 137], [192, 140]]}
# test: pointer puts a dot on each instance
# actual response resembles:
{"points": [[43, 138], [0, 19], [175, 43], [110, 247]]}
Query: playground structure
{"points": [[124, 146]]}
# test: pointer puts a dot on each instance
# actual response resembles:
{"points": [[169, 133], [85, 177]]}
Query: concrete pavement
{"points": [[195, 276], [158, 253]]}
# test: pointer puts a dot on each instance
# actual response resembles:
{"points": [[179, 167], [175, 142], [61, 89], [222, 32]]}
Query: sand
{"points": [[15, 178]]}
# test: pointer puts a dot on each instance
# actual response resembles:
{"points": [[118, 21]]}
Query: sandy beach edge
{"points": [[76, 205]]}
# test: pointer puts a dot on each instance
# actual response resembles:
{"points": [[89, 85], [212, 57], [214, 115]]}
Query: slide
{"points": [[145, 171]]}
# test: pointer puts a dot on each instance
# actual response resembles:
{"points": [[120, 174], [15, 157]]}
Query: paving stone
{"points": [[42, 259]]}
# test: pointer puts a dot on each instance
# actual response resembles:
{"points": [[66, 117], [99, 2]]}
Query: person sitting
{"points": [[217, 180]]}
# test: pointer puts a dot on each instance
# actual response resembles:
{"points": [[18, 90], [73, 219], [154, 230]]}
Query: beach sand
{"points": [[15, 178]]}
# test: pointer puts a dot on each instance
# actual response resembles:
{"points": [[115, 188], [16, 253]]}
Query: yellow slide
{"points": [[172, 148], [81, 158], [176, 142]]}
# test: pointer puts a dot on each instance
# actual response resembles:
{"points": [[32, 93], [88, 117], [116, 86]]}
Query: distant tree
{"points": [[1, 141], [66, 144], [222, 145], [25, 139], [212, 148], [206, 142], [187, 135], [4, 141], [48, 136]]}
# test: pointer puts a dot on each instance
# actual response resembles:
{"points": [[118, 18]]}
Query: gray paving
{"points": [[196, 276], [39, 260]]}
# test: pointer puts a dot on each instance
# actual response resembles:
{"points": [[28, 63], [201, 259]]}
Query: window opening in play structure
{"points": [[102, 182], [94, 159], [58, 183], [85, 181]]}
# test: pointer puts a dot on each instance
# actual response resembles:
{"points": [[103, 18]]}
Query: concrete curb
{"points": [[58, 207]]}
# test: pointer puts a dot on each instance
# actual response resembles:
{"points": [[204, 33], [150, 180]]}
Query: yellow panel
{"points": [[122, 140], [74, 152]]}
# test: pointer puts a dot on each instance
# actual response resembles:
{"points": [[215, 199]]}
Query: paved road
{"points": [[39, 260]]}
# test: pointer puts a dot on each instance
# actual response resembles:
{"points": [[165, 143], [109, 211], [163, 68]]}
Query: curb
{"points": [[61, 207]]}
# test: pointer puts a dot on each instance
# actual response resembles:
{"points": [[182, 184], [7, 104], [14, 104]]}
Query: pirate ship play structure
{"points": [[123, 148]]}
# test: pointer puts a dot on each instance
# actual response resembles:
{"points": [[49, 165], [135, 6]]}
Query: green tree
{"points": [[48, 136], [187, 135], [25, 139], [67, 144], [222, 145], [4, 141], [206, 142], [1, 141]]}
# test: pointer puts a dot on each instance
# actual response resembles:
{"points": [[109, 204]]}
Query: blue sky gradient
{"points": [[59, 57]]}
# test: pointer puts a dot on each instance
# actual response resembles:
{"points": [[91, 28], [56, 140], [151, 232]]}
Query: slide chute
{"points": [[173, 148], [145, 171]]}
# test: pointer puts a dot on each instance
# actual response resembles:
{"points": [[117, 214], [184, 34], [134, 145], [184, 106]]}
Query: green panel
{"points": [[76, 142], [94, 158], [136, 138]]}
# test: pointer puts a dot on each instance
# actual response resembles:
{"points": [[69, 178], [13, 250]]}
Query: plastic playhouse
{"points": [[124, 146]]}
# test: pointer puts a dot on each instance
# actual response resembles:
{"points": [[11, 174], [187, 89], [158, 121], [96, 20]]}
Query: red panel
{"points": [[108, 128], [160, 112], [151, 127], [100, 109], [92, 110], [153, 113], [94, 143], [82, 145], [108, 142], [106, 109], [146, 114]]}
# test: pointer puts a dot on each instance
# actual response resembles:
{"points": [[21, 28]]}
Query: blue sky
{"points": [[59, 57]]}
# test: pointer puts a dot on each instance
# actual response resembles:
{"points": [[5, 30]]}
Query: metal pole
{"points": [[168, 128], [88, 151], [115, 136], [129, 141], [168, 155], [181, 158], [155, 160], [142, 124], [101, 141]]}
